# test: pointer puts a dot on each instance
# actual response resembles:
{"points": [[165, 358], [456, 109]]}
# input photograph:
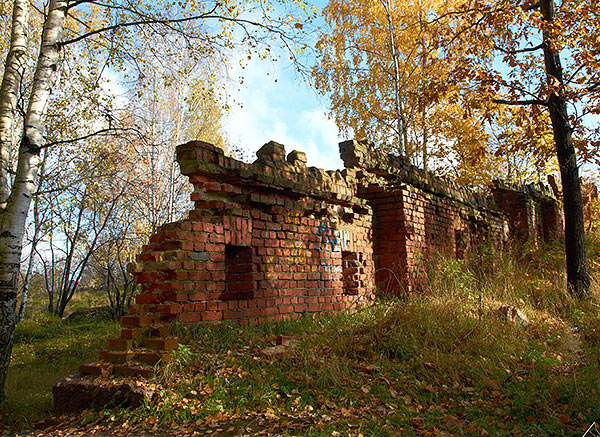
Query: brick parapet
{"points": [[536, 191], [272, 171], [364, 156], [303, 234]]}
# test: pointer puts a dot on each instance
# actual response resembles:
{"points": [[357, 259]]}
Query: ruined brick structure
{"points": [[532, 211], [276, 239]]}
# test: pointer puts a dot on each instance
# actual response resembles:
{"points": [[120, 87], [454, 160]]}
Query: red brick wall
{"points": [[276, 239], [417, 216], [532, 212], [252, 251]]}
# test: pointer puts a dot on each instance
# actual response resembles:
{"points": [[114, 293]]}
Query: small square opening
{"points": [[239, 273], [351, 265]]}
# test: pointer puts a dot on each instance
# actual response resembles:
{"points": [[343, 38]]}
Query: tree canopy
{"points": [[488, 84]]}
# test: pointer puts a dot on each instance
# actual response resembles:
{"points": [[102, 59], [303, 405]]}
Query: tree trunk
{"points": [[14, 68], [14, 216], [9, 270], [425, 138], [578, 278], [400, 126], [34, 241], [27, 279]]}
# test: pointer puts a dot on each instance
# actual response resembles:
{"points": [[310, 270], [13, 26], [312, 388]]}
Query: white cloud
{"points": [[277, 106]]}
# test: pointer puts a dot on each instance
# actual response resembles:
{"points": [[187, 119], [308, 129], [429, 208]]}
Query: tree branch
{"points": [[514, 52], [594, 87], [85, 137], [139, 23], [521, 102]]}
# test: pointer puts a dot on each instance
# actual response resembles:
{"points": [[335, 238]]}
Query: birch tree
{"points": [[109, 28], [381, 67], [14, 70], [82, 199], [400, 130]]}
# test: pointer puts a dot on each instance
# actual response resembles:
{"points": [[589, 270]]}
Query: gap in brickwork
{"points": [[239, 273], [460, 244], [350, 273]]}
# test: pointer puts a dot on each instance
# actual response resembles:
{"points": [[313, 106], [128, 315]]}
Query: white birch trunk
{"points": [[14, 68], [12, 221], [398, 106], [30, 262]]}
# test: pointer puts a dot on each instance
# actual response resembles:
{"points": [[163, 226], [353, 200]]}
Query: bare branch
{"points": [[594, 87], [452, 13], [85, 137], [521, 102], [139, 23], [514, 52]]}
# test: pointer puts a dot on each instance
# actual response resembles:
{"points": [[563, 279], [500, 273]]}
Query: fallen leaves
{"points": [[317, 389]]}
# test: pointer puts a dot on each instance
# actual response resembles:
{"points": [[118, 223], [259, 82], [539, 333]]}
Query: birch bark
{"points": [[398, 105], [14, 68], [14, 215]]}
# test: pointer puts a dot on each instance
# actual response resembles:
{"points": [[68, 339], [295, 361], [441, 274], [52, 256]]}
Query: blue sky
{"points": [[277, 105], [287, 111]]}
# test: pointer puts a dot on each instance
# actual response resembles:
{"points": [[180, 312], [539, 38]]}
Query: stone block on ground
{"points": [[74, 393], [512, 315]]}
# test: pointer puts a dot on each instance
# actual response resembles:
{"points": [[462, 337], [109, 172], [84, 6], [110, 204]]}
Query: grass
{"points": [[444, 363], [45, 349]]}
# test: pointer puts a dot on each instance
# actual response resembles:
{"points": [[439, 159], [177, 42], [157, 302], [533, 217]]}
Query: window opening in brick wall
{"points": [[460, 244], [351, 272], [550, 221], [239, 273]]}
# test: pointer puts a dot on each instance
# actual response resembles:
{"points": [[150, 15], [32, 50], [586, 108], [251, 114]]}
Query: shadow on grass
{"points": [[45, 349]]}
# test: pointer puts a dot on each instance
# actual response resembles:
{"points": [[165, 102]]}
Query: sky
{"points": [[275, 104]]}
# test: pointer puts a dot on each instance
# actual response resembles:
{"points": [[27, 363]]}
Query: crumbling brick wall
{"points": [[417, 216], [276, 239], [532, 211], [268, 240]]}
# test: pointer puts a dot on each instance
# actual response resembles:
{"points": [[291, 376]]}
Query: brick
{"points": [[131, 333], [119, 344], [176, 297], [211, 316], [242, 286], [158, 331], [147, 298], [146, 277], [137, 320], [91, 369], [133, 371], [115, 357], [189, 317], [167, 309], [198, 296], [231, 315], [152, 357]]}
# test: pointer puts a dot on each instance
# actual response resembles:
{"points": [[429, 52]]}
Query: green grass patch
{"points": [[445, 362], [426, 366], [45, 349]]}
